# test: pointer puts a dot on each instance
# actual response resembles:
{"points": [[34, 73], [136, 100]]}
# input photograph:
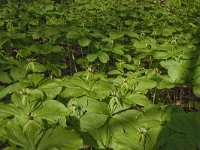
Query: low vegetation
{"points": [[94, 74]]}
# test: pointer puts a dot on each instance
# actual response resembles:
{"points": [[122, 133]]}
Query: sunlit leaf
{"points": [[103, 57], [84, 41]]}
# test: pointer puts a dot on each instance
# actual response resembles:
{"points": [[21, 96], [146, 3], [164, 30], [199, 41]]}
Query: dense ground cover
{"points": [[94, 74]]}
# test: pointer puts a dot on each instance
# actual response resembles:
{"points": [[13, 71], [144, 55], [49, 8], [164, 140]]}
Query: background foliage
{"points": [[79, 74]]}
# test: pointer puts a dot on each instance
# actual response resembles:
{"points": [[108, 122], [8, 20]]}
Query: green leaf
{"points": [[116, 35], [101, 89], [118, 51], [73, 35], [90, 122], [97, 34], [12, 88], [128, 22], [14, 133], [95, 106], [37, 34], [152, 113], [92, 57], [138, 99], [35, 78], [40, 49], [73, 92], [5, 77], [103, 57], [35, 67], [94, 109], [51, 110], [130, 66], [161, 55], [128, 57], [56, 49], [26, 52], [24, 97], [144, 84], [60, 138], [18, 72], [168, 31], [132, 34], [7, 111], [196, 90], [103, 136], [182, 132], [174, 68], [50, 89], [139, 44], [3, 38], [75, 81], [75, 87], [114, 72], [123, 121], [128, 141], [164, 82], [4, 91], [36, 139], [84, 41], [51, 31]]}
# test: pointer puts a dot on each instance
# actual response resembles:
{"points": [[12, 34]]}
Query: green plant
{"points": [[98, 74]]}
